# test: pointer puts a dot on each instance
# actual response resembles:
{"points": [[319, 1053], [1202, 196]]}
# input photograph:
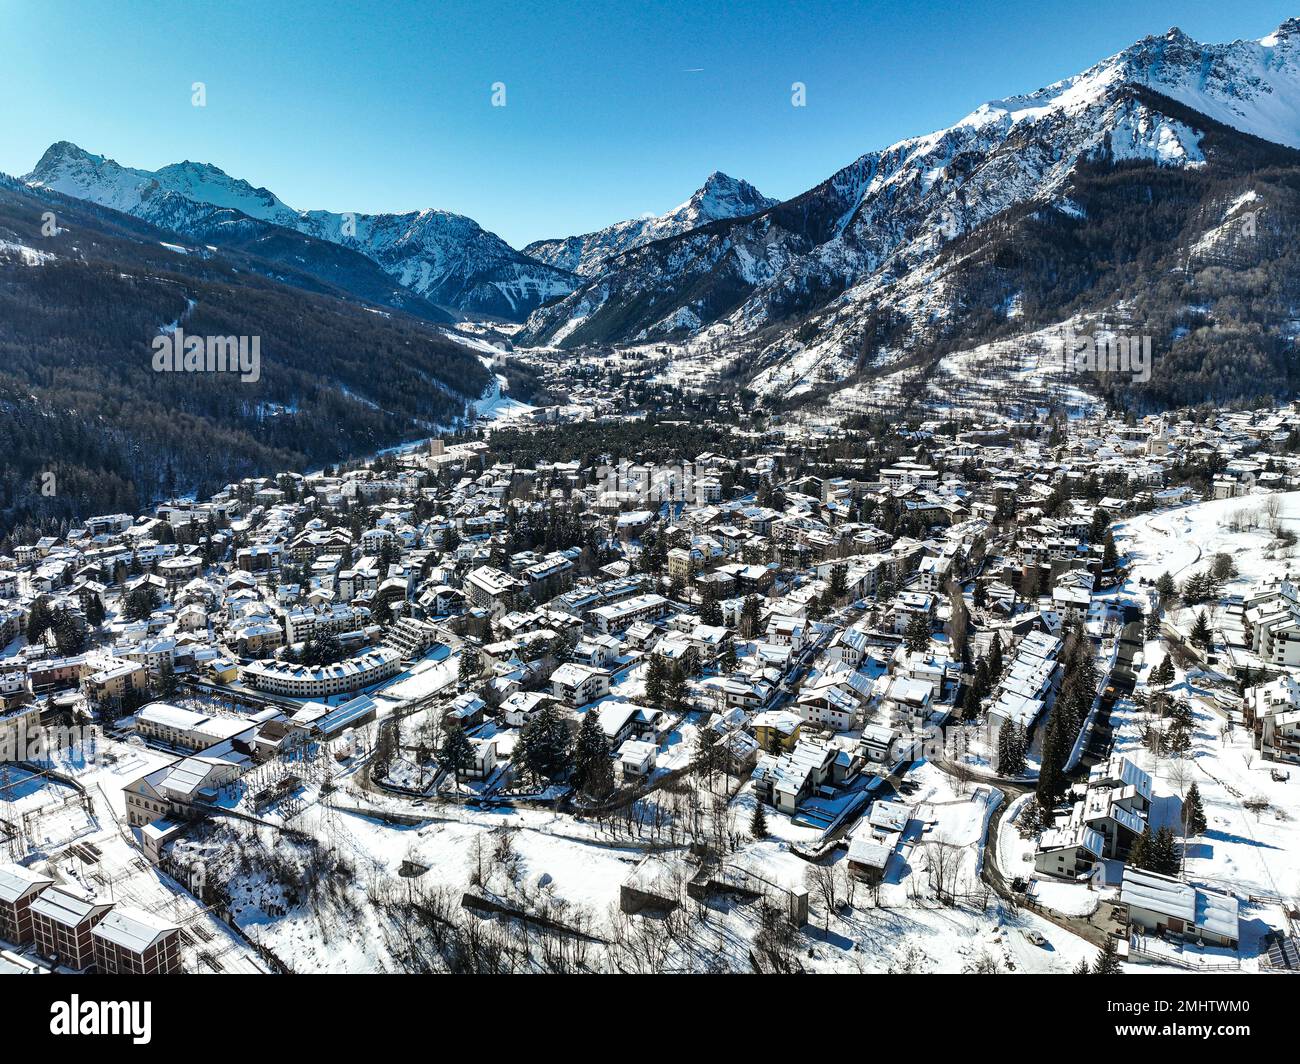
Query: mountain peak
{"points": [[722, 196], [61, 154], [1290, 28]]}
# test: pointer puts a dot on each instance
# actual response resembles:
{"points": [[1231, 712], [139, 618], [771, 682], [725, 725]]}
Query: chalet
{"points": [[637, 759], [1072, 852], [1163, 905]]}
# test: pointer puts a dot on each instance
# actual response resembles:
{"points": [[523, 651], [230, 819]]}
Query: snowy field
{"points": [[1184, 540]]}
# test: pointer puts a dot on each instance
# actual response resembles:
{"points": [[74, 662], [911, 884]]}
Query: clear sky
{"points": [[613, 109]]}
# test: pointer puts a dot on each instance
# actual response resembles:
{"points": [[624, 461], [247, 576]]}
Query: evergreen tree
{"points": [[1011, 749], [593, 772], [1201, 634], [470, 666], [711, 611], [1137, 853], [94, 610], [1057, 743], [1156, 852], [758, 825], [543, 747], [1163, 674], [655, 677], [839, 582], [995, 658], [727, 658], [1166, 589], [1031, 819], [917, 634], [456, 754], [69, 632], [1107, 962], [40, 620], [1194, 812], [140, 603], [675, 689], [559, 650], [167, 685], [691, 662], [1109, 555], [982, 684]]}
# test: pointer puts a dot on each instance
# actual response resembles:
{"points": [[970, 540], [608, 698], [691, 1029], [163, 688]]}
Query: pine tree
{"points": [[39, 621], [1163, 855], [1057, 744], [691, 661], [166, 679], [593, 772], [1201, 634], [917, 634], [758, 825], [456, 753], [727, 659], [543, 747], [1109, 556], [675, 688], [982, 683], [1031, 819], [94, 611], [1166, 589], [839, 581], [1011, 749], [69, 632], [1082, 967], [1181, 716], [470, 666], [1107, 962], [710, 611], [1163, 674], [1194, 812], [655, 677], [1137, 853], [995, 658]]}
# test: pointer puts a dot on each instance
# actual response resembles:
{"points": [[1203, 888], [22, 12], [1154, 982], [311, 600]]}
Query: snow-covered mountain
{"points": [[446, 258], [861, 268], [720, 198]]}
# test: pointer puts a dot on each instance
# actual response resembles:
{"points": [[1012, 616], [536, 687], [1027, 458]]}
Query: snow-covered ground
{"points": [[80, 840], [1185, 540]]}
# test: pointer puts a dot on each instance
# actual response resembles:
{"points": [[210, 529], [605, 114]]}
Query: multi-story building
{"points": [[19, 887], [131, 942], [323, 681], [62, 924]]}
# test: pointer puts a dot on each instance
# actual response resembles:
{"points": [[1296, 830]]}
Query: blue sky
{"points": [[612, 109]]}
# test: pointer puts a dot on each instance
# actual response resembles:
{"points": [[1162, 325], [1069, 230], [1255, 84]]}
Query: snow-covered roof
{"points": [[1198, 907], [131, 929]]}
